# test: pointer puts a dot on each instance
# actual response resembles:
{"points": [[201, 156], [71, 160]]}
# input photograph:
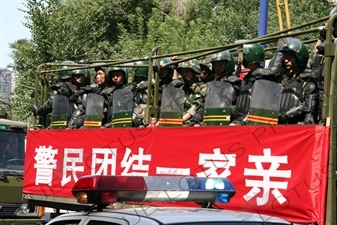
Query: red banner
{"points": [[277, 170]]}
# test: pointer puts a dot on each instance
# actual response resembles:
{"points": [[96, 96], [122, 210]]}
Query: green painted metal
{"points": [[217, 116], [122, 119], [59, 122], [265, 116]]}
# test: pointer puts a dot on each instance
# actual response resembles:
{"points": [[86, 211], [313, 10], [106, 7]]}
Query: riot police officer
{"points": [[119, 79], [140, 92], [166, 77], [322, 34], [206, 73], [300, 94], [71, 81], [253, 57], [223, 65], [195, 91], [102, 86], [166, 74]]}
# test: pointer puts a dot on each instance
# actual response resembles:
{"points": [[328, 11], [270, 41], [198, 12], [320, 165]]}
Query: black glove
{"points": [[309, 119], [277, 64], [74, 97], [33, 109], [263, 74], [107, 125], [282, 118]]}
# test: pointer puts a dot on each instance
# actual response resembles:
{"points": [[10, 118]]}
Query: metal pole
{"points": [[329, 107], [263, 19]]}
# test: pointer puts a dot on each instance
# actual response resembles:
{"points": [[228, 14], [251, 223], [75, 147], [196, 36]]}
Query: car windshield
{"points": [[12, 149]]}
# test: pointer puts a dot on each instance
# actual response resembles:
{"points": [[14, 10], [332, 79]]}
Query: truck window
{"points": [[12, 149]]}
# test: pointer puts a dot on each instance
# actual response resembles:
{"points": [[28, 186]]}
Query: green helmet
{"points": [[290, 44], [252, 53], [65, 74], [141, 71], [86, 74], [190, 64], [123, 69], [164, 61], [227, 56]]}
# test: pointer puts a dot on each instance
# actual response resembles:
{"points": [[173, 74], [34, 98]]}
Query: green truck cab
{"points": [[13, 209]]}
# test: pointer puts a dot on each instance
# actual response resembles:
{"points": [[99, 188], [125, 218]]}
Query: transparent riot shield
{"points": [[94, 111], [59, 116], [265, 103], [172, 107], [122, 107], [218, 103]]}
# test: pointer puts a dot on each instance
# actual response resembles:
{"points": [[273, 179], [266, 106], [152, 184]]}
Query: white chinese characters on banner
{"points": [[72, 162], [266, 183], [131, 168], [45, 164], [105, 157], [216, 161], [173, 171]]}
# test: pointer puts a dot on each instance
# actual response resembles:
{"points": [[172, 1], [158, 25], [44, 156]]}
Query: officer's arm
{"points": [[310, 103]]}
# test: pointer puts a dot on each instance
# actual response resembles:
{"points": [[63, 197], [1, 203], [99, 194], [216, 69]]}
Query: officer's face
{"points": [[164, 72], [203, 72], [288, 57], [100, 77], [187, 74], [220, 66], [117, 77], [78, 78]]}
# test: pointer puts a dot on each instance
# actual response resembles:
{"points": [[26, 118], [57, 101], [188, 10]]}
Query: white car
{"points": [[101, 191], [166, 216]]}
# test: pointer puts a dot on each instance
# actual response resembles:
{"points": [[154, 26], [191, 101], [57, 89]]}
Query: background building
{"points": [[5, 83]]}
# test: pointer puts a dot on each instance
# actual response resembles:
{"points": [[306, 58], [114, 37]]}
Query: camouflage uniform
{"points": [[194, 99], [206, 65], [195, 92], [140, 93]]}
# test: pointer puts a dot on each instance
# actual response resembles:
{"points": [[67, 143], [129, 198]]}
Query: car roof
{"points": [[179, 215]]}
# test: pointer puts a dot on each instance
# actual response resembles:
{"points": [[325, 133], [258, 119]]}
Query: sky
{"points": [[11, 28]]}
